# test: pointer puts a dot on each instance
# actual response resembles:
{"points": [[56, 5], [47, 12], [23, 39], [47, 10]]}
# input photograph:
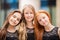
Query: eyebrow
{"points": [[16, 15]]}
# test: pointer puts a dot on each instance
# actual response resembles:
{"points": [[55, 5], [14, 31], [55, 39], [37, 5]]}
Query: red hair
{"points": [[39, 29]]}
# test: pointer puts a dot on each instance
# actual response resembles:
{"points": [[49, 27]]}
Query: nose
{"points": [[15, 19], [42, 20], [29, 14]]}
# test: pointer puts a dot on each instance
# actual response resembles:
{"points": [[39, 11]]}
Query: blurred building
{"points": [[52, 6]]}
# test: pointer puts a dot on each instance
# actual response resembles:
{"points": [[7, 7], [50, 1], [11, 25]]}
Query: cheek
{"points": [[17, 22], [40, 22], [20, 17], [25, 16], [46, 20], [32, 15], [9, 20]]}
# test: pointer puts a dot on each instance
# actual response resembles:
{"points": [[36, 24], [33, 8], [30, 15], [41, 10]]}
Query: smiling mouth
{"points": [[29, 17], [43, 23], [14, 22]]}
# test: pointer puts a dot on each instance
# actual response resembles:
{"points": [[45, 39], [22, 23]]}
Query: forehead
{"points": [[42, 15], [28, 9], [17, 14]]}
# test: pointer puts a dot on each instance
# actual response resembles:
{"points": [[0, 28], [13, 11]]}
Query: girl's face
{"points": [[28, 14], [14, 19], [43, 19]]}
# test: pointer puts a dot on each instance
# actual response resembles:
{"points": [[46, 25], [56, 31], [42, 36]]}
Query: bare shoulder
{"points": [[59, 31]]}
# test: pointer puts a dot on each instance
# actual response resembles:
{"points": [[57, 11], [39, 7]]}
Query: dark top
{"points": [[52, 35], [12, 36], [30, 34]]}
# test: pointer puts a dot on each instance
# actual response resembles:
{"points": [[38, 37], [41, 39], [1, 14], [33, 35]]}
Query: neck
{"points": [[11, 28], [29, 25], [49, 27]]}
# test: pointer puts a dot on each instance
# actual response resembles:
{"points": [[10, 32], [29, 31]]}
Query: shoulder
{"points": [[59, 31]]}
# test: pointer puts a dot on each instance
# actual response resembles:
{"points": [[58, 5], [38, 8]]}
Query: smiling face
{"points": [[28, 14], [43, 19], [15, 19]]}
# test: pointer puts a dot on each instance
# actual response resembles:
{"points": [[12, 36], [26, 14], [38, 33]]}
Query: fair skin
{"points": [[13, 21], [29, 15], [59, 32], [43, 19]]}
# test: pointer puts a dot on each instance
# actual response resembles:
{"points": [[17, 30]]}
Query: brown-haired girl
{"points": [[8, 30]]}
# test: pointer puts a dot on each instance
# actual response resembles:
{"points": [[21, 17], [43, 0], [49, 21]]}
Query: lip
{"points": [[14, 21], [29, 17], [44, 23]]}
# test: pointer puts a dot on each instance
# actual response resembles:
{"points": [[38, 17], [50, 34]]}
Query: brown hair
{"points": [[39, 29], [6, 23]]}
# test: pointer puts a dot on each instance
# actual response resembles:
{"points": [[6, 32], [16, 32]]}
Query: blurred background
{"points": [[52, 6]]}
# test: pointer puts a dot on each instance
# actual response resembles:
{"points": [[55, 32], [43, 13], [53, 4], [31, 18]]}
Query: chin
{"points": [[45, 25], [29, 20], [13, 25]]}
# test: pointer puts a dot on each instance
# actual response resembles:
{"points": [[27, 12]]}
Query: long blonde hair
{"points": [[23, 33]]}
